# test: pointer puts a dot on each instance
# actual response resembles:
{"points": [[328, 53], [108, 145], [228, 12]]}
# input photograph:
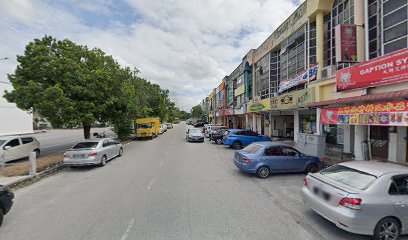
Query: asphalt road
{"points": [[58, 140], [166, 189]]}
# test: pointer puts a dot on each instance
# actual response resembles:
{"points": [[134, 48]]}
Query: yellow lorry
{"points": [[147, 127]]}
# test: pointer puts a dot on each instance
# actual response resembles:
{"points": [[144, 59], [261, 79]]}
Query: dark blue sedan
{"points": [[238, 138], [264, 158]]}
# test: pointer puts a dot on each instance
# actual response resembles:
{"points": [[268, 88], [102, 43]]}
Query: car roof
{"points": [[272, 144], [239, 130], [12, 137], [95, 140], [377, 168]]}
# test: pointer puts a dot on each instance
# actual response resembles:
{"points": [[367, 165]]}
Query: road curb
{"points": [[35, 178]]}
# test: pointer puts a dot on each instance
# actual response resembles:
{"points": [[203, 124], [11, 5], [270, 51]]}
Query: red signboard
{"points": [[391, 68], [394, 113], [228, 112], [346, 43]]}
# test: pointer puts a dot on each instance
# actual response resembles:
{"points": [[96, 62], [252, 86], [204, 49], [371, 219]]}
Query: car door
{"points": [[114, 147], [106, 149], [252, 137], [293, 159], [27, 145], [12, 149], [398, 193], [273, 158]]}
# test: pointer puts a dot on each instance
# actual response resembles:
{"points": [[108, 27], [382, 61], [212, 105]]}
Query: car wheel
{"points": [[237, 145], [120, 152], [219, 141], [263, 172], [37, 153], [103, 161], [312, 168], [388, 228]]}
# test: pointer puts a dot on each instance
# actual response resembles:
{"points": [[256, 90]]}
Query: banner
{"points": [[393, 113], [257, 105], [295, 99], [391, 68], [346, 43], [304, 77]]}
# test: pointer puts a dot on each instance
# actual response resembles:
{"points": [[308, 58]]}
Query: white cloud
{"points": [[185, 46]]}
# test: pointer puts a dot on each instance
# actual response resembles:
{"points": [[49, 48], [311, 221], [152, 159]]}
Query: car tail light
{"points": [[322, 159], [93, 153], [353, 203], [66, 155], [305, 182], [246, 160]]}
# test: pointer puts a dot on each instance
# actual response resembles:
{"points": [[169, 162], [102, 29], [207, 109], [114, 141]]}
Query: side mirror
{"points": [[7, 147], [186, 131]]}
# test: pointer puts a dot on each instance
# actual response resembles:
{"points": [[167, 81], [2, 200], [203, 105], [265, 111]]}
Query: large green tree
{"points": [[197, 112], [67, 83]]}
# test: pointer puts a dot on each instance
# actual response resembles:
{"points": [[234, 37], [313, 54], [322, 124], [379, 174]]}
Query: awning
{"points": [[365, 98]]}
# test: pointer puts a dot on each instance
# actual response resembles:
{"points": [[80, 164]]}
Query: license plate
{"points": [[78, 155]]}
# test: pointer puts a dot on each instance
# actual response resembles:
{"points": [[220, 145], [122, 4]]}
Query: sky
{"points": [[186, 46]]}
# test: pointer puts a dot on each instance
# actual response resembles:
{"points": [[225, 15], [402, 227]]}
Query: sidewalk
{"points": [[7, 181]]}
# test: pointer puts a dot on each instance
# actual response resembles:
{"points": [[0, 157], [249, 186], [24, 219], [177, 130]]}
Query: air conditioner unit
{"points": [[328, 72]]}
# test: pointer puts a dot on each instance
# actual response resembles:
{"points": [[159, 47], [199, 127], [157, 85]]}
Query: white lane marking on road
{"points": [[161, 163], [130, 225], [150, 184]]}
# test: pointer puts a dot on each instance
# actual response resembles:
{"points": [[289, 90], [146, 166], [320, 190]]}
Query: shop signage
{"points": [[228, 112], [394, 113], [391, 68], [304, 77], [258, 105], [346, 43], [293, 100]]}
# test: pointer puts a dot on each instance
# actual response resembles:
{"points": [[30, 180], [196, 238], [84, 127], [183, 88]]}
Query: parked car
{"points": [[93, 152], [218, 136], [363, 197], [200, 123], [17, 147], [169, 125], [264, 158], [6, 201], [163, 128], [214, 129], [194, 135], [237, 138], [189, 121], [206, 127], [208, 130]]}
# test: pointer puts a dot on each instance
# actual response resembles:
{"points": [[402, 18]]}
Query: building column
{"points": [[347, 139], [296, 123], [246, 121], [270, 124], [397, 146], [319, 128], [360, 135], [319, 42]]}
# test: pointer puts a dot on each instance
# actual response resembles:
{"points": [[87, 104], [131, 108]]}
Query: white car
{"points": [[209, 129], [163, 128], [16, 147]]}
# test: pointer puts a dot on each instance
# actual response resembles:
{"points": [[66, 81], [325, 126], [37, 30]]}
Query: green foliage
{"points": [[197, 112], [72, 85]]}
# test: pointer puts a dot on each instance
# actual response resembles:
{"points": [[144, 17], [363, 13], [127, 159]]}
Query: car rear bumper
{"points": [[353, 221], [244, 166], [81, 162]]}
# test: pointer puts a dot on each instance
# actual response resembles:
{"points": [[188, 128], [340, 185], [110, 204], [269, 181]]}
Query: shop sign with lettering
{"points": [[296, 99], [393, 113], [391, 68]]}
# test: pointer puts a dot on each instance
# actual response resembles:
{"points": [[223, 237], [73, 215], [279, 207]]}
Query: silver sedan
{"points": [[93, 152], [363, 197]]}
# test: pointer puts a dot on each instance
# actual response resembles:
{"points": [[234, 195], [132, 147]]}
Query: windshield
{"points": [[349, 176], [85, 145], [144, 126], [194, 131]]}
